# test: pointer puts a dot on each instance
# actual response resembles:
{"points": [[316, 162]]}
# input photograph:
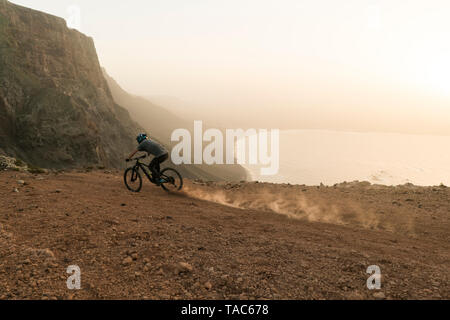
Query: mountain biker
{"points": [[155, 149]]}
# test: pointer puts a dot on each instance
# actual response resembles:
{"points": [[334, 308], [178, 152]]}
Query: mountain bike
{"points": [[171, 180]]}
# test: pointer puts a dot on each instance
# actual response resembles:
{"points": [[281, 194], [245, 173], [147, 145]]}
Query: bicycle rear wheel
{"points": [[133, 179], [172, 180]]}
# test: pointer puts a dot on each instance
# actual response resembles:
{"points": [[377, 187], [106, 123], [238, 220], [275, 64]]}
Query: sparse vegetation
{"points": [[19, 163], [36, 170]]}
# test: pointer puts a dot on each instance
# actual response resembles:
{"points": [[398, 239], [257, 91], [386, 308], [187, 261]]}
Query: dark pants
{"points": [[155, 167]]}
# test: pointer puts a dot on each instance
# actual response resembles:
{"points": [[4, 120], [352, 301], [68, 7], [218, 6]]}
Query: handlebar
{"points": [[136, 159]]}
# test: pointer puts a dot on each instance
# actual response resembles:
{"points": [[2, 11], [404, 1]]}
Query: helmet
{"points": [[141, 137]]}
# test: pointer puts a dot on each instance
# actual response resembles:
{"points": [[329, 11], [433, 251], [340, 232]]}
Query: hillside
{"points": [[160, 123], [156, 245]]}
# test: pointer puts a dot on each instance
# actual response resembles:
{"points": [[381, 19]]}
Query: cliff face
{"points": [[56, 109]]}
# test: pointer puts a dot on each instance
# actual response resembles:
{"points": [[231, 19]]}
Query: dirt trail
{"points": [[155, 245]]}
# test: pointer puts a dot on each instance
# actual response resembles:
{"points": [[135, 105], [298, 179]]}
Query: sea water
{"points": [[312, 157]]}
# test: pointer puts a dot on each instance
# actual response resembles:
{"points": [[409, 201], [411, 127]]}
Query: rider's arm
{"points": [[131, 155]]}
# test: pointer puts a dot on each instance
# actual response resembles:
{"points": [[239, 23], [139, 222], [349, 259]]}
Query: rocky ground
{"points": [[248, 241]]}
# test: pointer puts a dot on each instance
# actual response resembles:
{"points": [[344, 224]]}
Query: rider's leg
{"points": [[155, 167], [161, 159]]}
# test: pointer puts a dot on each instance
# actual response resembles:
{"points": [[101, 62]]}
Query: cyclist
{"points": [[155, 149]]}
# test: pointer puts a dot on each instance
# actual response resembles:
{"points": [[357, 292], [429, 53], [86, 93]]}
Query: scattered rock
{"points": [[127, 261], [184, 267], [21, 182], [435, 283], [355, 295], [16, 190], [379, 295], [243, 296], [208, 285], [48, 253]]}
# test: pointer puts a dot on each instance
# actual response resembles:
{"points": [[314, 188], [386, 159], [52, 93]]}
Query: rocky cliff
{"points": [[56, 109]]}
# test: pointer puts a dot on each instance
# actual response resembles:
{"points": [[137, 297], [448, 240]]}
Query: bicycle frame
{"points": [[141, 166]]}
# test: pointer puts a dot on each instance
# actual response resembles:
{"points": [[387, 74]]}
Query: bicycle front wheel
{"points": [[133, 179], [172, 180]]}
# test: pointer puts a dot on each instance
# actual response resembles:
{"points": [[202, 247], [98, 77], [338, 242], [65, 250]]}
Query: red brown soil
{"points": [[130, 246]]}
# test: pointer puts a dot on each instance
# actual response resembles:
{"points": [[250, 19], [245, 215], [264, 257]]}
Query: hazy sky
{"points": [[376, 65]]}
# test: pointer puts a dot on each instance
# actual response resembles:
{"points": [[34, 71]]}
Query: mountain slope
{"points": [[158, 120], [131, 246], [56, 109]]}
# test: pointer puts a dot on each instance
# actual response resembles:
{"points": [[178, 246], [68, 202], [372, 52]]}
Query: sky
{"points": [[354, 65]]}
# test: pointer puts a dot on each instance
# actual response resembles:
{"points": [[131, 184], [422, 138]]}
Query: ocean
{"points": [[312, 157]]}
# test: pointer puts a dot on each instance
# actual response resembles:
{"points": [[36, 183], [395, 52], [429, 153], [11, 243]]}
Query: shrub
{"points": [[36, 170], [19, 163]]}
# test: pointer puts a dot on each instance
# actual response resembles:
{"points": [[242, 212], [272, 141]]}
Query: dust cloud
{"points": [[291, 201]]}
